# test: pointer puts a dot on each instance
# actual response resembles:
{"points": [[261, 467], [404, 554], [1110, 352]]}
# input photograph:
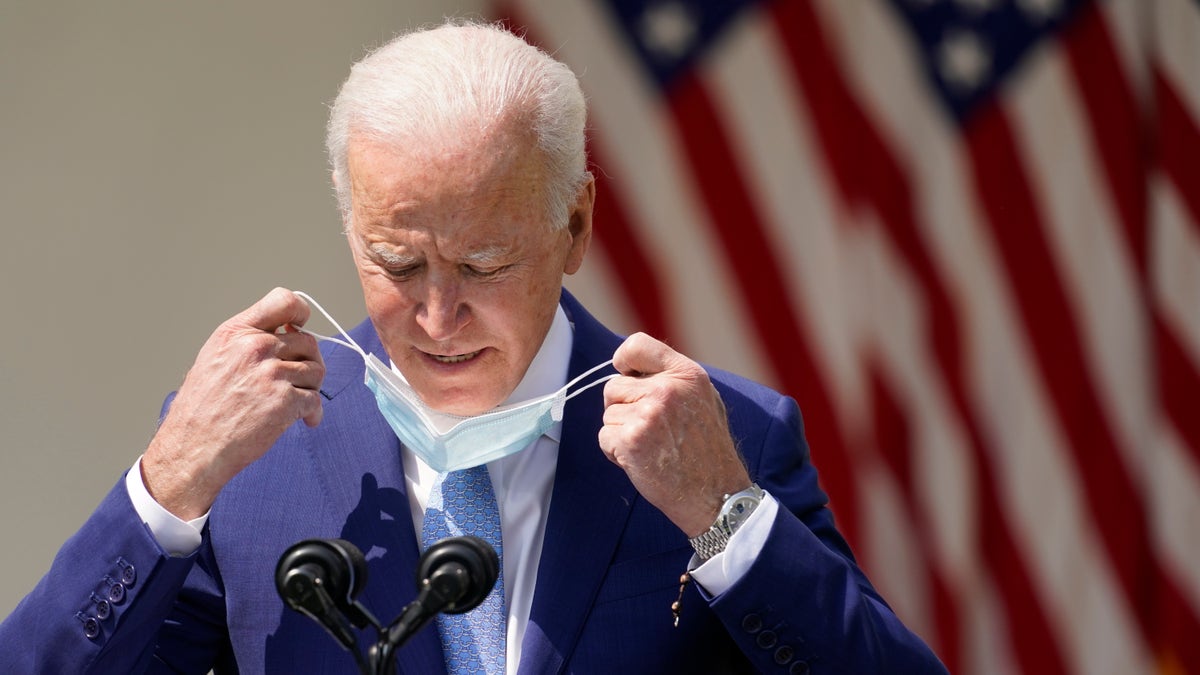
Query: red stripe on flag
{"points": [[628, 256], [847, 136], [894, 440], [1115, 122], [1179, 387], [1018, 232], [1180, 628], [764, 289], [1178, 145]]}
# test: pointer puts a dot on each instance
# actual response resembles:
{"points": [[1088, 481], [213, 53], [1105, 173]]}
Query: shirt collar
{"points": [[547, 373]]}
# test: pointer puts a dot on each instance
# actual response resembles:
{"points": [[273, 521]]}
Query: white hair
{"points": [[457, 78]]}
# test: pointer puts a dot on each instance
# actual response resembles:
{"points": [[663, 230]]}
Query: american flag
{"points": [[965, 235]]}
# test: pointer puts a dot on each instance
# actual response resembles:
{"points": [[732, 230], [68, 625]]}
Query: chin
{"points": [[464, 408], [463, 403]]}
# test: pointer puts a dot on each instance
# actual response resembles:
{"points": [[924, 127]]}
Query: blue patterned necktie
{"points": [[463, 502]]}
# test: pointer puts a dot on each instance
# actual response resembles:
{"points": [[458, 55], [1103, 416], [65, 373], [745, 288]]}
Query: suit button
{"points": [[799, 668], [103, 609], [128, 573], [784, 655], [91, 627], [116, 592], [752, 623], [766, 639]]}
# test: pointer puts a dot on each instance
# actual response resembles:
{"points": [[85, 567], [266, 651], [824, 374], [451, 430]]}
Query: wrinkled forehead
{"points": [[497, 177]]}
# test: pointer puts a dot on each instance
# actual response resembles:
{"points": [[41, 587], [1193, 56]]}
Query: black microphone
{"points": [[321, 578], [459, 572], [454, 575]]}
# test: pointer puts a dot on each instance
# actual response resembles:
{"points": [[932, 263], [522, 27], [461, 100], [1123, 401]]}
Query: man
{"points": [[460, 171]]}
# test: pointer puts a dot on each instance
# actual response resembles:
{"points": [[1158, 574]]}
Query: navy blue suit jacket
{"points": [[608, 574]]}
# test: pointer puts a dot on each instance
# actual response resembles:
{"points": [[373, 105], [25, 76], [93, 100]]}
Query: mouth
{"points": [[455, 358]]}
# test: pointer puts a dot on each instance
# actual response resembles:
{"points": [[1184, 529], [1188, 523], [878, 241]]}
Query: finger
{"points": [[618, 414], [297, 347], [311, 407], [302, 374], [295, 402], [276, 309], [628, 430], [641, 354], [624, 389], [608, 440]]}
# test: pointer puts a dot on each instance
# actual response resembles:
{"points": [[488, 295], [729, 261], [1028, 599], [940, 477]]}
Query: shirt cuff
{"points": [[717, 574], [177, 537]]}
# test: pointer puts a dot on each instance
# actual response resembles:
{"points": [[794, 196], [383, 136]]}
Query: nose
{"points": [[442, 313]]}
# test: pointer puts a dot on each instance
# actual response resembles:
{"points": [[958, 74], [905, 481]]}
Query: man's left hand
{"points": [[666, 426]]}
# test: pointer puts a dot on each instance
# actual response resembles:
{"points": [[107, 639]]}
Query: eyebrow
{"points": [[490, 254], [390, 257]]}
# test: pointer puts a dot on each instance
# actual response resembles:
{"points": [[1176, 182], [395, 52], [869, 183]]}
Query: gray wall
{"points": [[161, 167]]}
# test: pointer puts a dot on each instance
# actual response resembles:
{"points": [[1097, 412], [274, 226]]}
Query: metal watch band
{"points": [[713, 541]]}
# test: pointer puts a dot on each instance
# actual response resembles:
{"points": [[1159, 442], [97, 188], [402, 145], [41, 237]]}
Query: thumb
{"points": [[641, 354], [278, 308]]}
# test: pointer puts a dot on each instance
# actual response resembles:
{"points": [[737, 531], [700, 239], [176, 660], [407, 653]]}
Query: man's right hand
{"points": [[249, 383]]}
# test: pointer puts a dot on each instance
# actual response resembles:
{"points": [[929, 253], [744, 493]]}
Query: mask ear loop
{"points": [[556, 413], [589, 385], [342, 331]]}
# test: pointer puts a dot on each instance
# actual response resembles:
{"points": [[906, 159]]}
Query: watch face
{"points": [[739, 510]]}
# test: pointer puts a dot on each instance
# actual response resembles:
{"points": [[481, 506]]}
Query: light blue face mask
{"points": [[452, 442]]}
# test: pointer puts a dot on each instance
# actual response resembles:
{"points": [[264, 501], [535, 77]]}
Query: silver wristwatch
{"points": [[734, 512]]}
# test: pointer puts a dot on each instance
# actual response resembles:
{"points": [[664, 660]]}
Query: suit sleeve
{"points": [[804, 606], [104, 602]]}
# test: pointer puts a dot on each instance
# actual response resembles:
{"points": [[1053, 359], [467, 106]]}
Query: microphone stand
{"points": [[437, 593]]}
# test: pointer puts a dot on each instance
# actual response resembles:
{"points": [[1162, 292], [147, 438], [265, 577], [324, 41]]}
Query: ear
{"points": [[580, 225]]}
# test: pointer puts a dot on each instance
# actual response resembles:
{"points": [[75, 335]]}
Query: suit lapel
{"points": [[358, 462], [589, 507]]}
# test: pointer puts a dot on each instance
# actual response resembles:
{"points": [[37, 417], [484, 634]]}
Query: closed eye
{"points": [[484, 271], [406, 272]]}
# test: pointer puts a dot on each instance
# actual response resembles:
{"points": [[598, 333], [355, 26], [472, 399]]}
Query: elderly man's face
{"points": [[459, 268]]}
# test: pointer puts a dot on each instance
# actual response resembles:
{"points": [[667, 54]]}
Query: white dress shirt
{"points": [[523, 483]]}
